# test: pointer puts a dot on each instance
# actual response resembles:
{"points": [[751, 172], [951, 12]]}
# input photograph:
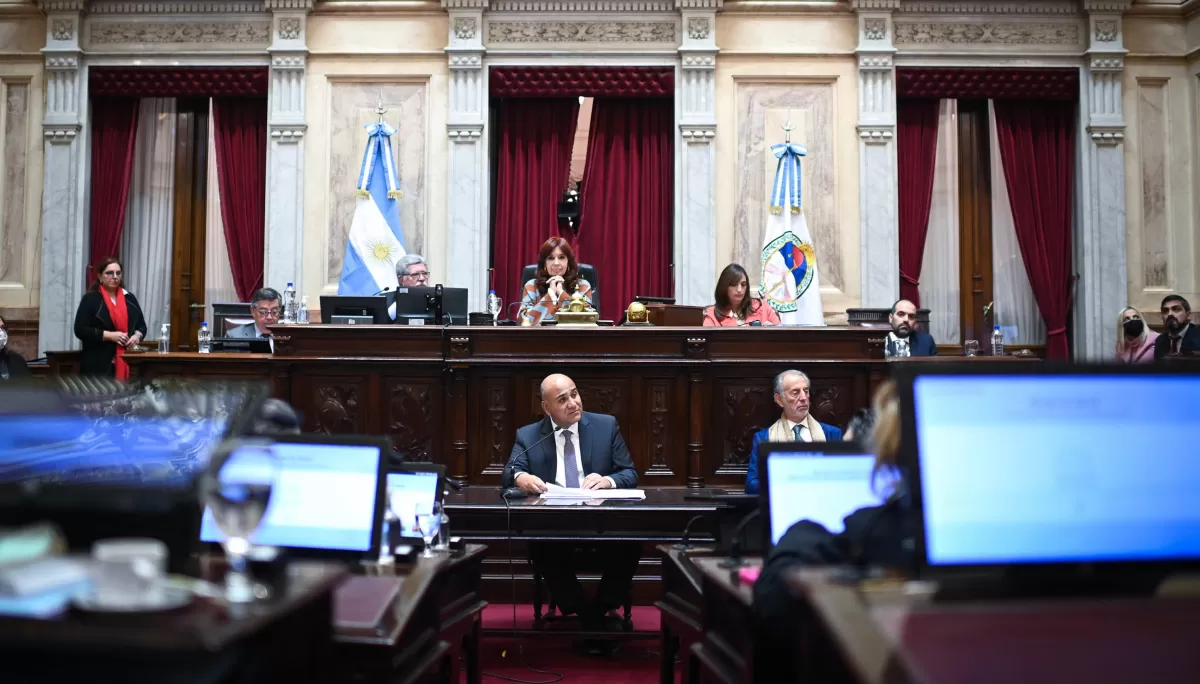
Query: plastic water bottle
{"points": [[443, 538], [302, 314], [997, 342], [494, 305], [204, 338], [164, 338], [289, 304]]}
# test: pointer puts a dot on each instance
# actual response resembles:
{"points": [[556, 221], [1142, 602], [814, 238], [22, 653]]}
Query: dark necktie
{"points": [[1176, 345], [570, 467]]}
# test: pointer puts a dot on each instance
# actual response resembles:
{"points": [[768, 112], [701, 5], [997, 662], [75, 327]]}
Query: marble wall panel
{"points": [[762, 110], [15, 122], [351, 108], [1152, 134]]}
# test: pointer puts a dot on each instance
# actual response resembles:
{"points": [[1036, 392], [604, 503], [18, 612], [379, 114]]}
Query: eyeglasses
{"points": [[421, 275], [268, 313]]}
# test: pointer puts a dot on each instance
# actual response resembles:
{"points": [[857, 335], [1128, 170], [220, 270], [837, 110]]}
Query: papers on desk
{"points": [[553, 491]]}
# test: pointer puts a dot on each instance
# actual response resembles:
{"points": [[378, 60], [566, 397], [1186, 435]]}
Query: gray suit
{"points": [[244, 332]]}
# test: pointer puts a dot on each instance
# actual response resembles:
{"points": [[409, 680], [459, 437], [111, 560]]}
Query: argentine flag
{"points": [[789, 280], [375, 241]]}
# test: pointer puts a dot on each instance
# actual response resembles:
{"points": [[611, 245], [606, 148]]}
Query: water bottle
{"points": [[997, 342], [289, 304], [443, 539], [164, 338], [494, 305], [204, 338], [302, 314]]}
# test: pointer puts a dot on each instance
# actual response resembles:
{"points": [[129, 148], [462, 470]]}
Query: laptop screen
{"points": [[406, 491], [324, 498], [1058, 468], [817, 486]]}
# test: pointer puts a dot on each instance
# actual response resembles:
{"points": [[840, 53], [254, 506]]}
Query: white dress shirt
{"points": [[560, 444], [805, 433], [899, 344]]}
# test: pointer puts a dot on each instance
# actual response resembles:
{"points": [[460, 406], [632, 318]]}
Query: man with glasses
{"points": [[265, 307], [412, 271]]}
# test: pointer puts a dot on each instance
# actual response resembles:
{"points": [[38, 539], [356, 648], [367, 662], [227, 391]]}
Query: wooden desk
{"points": [[479, 515], [432, 622], [688, 400], [726, 654], [681, 618], [885, 636], [286, 638]]}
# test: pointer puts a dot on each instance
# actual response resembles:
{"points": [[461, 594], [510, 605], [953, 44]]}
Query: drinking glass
{"points": [[971, 347], [429, 519], [237, 490]]}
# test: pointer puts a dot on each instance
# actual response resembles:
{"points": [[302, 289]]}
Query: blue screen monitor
{"points": [[1067, 468], [408, 489], [823, 482]]}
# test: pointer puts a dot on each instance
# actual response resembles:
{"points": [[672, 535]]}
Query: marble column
{"points": [[695, 208], [64, 190], [877, 189], [286, 125], [1099, 240], [468, 246]]}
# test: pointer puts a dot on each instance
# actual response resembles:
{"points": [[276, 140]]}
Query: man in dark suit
{"points": [[577, 450], [905, 339], [1182, 337], [265, 307], [12, 364]]}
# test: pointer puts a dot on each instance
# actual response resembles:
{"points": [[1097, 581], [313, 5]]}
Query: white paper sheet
{"points": [[553, 491]]}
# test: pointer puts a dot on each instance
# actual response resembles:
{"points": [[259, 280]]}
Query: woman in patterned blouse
{"points": [[556, 280]]}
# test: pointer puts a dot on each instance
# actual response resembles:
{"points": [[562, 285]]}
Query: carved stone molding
{"points": [[876, 135], [219, 33], [1107, 136], [465, 133], [62, 29], [1109, 63], [867, 62], [465, 28], [464, 4], [605, 6], [1106, 30], [698, 133], [177, 7], [49, 6], [278, 5], [965, 7], [470, 60], [959, 33], [697, 61], [699, 4], [875, 29], [876, 5], [581, 32], [1110, 6], [289, 29], [698, 28], [288, 133], [59, 134], [62, 63]]}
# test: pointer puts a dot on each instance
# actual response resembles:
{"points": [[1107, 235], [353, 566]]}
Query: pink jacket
{"points": [[1142, 354]]}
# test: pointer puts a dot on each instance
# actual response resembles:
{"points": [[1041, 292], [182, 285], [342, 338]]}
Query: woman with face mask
{"points": [[12, 364], [1135, 339]]}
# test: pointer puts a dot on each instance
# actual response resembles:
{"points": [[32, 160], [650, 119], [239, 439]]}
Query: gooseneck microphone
{"points": [[386, 289], [734, 560], [508, 481], [685, 543]]}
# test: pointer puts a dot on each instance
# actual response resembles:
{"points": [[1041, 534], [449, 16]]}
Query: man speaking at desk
{"points": [[576, 449]]}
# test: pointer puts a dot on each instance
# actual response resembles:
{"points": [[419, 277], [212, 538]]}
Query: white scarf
{"points": [[780, 432]]}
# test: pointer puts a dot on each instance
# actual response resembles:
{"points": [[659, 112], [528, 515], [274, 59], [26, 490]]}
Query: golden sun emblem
{"points": [[383, 251]]}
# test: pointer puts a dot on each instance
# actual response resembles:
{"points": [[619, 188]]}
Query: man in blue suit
{"points": [[904, 336], [577, 450], [795, 425]]}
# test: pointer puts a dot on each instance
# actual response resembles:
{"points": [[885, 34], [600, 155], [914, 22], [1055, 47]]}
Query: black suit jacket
{"points": [[919, 344], [602, 451], [1190, 345], [15, 364], [91, 321]]}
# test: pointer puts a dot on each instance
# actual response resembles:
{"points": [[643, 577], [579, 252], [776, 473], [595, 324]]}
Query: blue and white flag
{"points": [[789, 280], [375, 241]]}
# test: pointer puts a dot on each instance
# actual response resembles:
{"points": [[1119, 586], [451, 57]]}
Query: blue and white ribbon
{"points": [[785, 191], [378, 146]]}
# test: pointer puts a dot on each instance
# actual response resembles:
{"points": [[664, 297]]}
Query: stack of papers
{"points": [[553, 491]]}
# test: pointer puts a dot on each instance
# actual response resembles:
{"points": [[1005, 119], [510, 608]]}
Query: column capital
{"points": [[464, 132], [465, 59]]}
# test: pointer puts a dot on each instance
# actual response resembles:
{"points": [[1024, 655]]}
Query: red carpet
{"points": [[635, 662]]}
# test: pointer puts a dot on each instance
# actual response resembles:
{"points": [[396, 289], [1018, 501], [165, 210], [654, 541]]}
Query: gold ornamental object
{"points": [[578, 312], [636, 314]]}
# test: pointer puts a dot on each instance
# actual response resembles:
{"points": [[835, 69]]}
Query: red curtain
{"points": [[240, 132], [916, 146], [114, 123], [1037, 148], [628, 199], [533, 164]]}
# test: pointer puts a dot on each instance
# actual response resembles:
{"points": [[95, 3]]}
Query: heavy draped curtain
{"points": [[627, 200], [916, 145], [114, 122], [939, 268], [1037, 148], [219, 287], [533, 161], [240, 134]]}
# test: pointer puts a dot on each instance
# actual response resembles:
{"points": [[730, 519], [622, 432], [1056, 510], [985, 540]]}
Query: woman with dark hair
{"points": [[734, 305], [556, 280], [108, 321]]}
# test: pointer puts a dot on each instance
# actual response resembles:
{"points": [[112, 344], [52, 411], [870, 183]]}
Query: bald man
{"points": [[576, 449]]}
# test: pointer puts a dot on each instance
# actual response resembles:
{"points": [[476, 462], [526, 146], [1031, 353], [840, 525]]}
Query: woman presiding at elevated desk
{"points": [[108, 321], [556, 280], [734, 305]]}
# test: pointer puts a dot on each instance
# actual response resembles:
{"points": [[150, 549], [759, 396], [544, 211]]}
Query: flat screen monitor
{"points": [[417, 303], [409, 486], [1043, 468], [375, 306], [327, 499], [820, 481], [242, 345]]}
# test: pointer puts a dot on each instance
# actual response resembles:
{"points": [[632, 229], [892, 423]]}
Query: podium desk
{"points": [[688, 400]]}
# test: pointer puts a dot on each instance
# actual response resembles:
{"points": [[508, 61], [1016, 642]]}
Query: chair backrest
{"points": [[229, 315], [586, 271]]}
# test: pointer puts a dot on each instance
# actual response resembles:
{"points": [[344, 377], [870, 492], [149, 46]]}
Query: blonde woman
{"points": [[1135, 339]]}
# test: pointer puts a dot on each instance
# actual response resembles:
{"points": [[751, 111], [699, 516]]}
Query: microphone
{"points": [[685, 543], [734, 560], [512, 491], [386, 289], [454, 484]]}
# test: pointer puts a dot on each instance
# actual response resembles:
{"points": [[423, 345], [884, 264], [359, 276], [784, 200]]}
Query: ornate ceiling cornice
{"points": [[963, 7]]}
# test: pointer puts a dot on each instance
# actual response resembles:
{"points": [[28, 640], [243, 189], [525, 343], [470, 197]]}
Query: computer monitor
{"points": [[410, 485], [1033, 465], [327, 500], [356, 309], [819, 481], [418, 304], [251, 345]]}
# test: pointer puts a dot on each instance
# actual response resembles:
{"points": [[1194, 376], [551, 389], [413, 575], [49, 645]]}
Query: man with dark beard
{"points": [[1182, 337], [905, 339]]}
